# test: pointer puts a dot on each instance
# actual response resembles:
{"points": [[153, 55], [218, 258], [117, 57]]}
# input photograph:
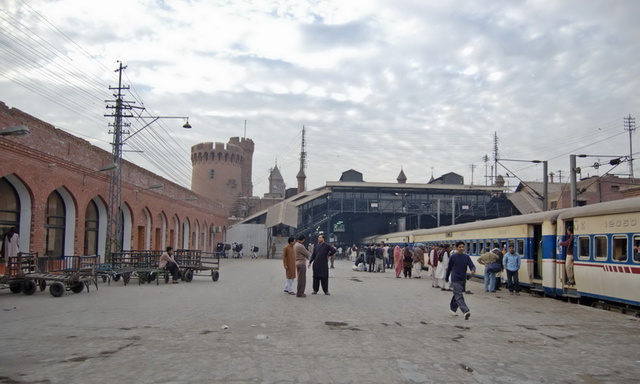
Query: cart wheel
{"points": [[126, 278], [15, 287], [77, 287], [43, 285], [116, 277], [142, 278], [56, 289], [166, 277], [215, 275], [29, 287], [188, 275], [182, 272]]}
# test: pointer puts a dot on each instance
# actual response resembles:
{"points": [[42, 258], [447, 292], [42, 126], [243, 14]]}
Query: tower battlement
{"points": [[222, 171]]}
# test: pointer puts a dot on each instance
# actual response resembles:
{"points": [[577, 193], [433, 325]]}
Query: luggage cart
{"points": [[197, 262], [66, 273], [16, 273]]}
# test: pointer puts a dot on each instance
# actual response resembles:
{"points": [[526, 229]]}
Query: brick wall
{"points": [[50, 159]]}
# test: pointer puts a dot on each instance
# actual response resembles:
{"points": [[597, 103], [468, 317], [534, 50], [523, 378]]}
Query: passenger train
{"points": [[606, 243]]}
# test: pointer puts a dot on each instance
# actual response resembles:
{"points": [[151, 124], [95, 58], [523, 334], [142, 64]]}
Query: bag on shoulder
{"points": [[494, 267]]}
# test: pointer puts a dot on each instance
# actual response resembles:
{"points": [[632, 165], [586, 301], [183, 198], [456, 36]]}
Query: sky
{"points": [[427, 87]]}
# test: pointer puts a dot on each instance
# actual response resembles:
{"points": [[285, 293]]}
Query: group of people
{"points": [[296, 259]]}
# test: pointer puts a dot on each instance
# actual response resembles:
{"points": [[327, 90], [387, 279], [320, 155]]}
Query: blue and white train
{"points": [[606, 243]]}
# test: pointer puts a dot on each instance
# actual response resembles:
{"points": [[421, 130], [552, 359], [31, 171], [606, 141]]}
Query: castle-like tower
{"points": [[223, 172]]}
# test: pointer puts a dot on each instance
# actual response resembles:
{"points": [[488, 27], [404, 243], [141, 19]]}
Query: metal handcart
{"points": [[197, 262], [17, 270], [65, 273]]}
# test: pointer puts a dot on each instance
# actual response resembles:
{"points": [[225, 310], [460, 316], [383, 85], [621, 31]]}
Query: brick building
{"points": [[53, 191]]}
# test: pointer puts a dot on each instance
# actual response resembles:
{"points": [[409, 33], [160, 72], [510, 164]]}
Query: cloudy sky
{"points": [[380, 85]]}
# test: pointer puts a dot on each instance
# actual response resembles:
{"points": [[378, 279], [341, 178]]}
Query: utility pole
{"points": [[114, 230], [122, 110], [560, 176], [630, 125]]}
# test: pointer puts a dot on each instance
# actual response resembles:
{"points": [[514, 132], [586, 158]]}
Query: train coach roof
{"points": [[629, 205], [532, 218]]}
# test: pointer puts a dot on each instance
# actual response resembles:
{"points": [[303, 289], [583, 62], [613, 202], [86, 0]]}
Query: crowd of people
{"points": [[447, 268]]}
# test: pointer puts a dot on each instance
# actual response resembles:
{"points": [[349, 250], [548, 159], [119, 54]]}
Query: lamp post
{"points": [[107, 167], [15, 130], [545, 178]]}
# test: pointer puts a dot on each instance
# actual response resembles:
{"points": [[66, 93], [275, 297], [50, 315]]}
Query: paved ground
{"points": [[373, 328]]}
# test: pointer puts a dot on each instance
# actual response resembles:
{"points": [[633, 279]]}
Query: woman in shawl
{"points": [[397, 259]]}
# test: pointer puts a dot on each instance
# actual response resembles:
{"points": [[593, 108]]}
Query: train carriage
{"points": [[533, 237], [606, 243], [606, 259]]}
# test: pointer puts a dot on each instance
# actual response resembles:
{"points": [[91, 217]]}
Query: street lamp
{"points": [[15, 130], [152, 186], [107, 167], [545, 179]]}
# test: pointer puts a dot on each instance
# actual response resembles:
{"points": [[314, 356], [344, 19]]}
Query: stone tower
{"points": [[223, 172]]}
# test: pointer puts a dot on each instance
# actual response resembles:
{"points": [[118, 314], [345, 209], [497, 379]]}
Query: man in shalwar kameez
{"points": [[289, 262], [319, 259]]}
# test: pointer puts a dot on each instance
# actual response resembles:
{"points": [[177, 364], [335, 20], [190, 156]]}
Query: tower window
{"points": [[212, 174]]}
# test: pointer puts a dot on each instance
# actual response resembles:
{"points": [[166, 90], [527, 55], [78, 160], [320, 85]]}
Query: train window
{"points": [[510, 243], [600, 247], [619, 248], [520, 247], [636, 248], [583, 247]]}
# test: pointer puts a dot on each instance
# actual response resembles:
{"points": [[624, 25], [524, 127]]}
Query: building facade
{"points": [[54, 189]]}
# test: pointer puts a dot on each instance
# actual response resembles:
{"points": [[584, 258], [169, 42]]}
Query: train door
{"points": [[536, 252], [565, 254]]}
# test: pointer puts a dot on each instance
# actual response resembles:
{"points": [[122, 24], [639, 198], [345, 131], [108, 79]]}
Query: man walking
{"points": [[457, 275], [289, 262], [301, 265], [511, 263], [319, 260]]}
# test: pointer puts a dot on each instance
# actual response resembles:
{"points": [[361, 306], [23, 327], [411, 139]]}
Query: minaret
{"points": [[402, 179], [301, 177]]}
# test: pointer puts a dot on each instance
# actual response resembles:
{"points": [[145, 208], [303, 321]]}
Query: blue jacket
{"points": [[457, 268], [511, 261]]}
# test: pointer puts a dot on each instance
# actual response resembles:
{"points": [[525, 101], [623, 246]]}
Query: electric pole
{"points": [[630, 125], [114, 230]]}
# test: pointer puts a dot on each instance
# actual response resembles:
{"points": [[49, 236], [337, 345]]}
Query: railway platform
{"points": [[373, 328]]}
